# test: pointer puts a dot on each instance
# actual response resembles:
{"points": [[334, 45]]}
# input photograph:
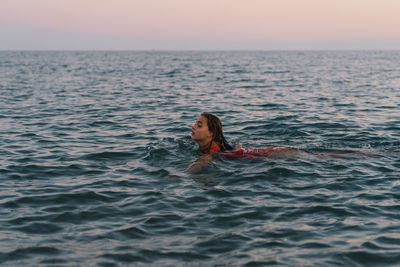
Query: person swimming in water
{"points": [[208, 134]]}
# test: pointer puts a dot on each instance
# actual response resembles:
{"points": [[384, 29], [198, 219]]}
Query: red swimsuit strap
{"points": [[215, 149]]}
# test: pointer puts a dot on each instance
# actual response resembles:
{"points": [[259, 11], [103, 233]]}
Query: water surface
{"points": [[94, 147]]}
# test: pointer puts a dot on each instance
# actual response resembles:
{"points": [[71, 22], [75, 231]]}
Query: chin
{"points": [[195, 139]]}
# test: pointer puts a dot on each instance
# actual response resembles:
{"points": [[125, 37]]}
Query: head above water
{"points": [[208, 129]]}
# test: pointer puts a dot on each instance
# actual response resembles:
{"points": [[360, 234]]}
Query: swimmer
{"points": [[207, 133]]}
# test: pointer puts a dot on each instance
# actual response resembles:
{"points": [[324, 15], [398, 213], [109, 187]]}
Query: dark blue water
{"points": [[94, 147]]}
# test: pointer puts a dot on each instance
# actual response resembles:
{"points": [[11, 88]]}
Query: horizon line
{"points": [[198, 50]]}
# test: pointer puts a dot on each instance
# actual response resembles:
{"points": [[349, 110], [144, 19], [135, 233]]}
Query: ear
{"points": [[210, 134]]}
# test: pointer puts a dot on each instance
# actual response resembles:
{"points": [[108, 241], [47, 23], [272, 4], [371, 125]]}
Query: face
{"points": [[200, 130]]}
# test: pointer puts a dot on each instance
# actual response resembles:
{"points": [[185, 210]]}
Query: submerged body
{"points": [[207, 133], [249, 153]]}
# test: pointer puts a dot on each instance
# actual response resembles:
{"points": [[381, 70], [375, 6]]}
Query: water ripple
{"points": [[94, 147]]}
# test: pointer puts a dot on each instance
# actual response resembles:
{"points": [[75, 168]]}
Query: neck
{"points": [[206, 144]]}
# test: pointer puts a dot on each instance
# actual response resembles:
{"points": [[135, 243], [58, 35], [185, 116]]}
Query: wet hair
{"points": [[215, 126]]}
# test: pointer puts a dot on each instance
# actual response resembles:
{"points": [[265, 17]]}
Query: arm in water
{"points": [[202, 163]]}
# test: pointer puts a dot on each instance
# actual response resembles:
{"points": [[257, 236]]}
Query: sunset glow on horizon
{"points": [[217, 24]]}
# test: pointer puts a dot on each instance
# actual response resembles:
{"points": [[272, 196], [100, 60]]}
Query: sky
{"points": [[199, 24]]}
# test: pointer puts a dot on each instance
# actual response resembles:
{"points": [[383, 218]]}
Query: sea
{"points": [[94, 147]]}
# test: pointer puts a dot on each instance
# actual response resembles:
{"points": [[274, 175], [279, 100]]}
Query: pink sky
{"points": [[180, 24]]}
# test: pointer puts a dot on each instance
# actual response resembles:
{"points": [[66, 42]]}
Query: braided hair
{"points": [[215, 126]]}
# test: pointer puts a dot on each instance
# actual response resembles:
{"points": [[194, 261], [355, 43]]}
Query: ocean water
{"points": [[94, 147]]}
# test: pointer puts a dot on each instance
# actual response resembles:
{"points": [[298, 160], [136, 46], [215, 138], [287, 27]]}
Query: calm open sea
{"points": [[94, 147]]}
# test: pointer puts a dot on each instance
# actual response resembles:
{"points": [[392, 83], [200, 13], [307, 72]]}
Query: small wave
{"points": [[276, 72], [368, 258], [132, 232], [111, 155], [38, 228], [157, 256], [40, 171], [240, 71], [221, 243], [27, 252], [172, 73]]}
